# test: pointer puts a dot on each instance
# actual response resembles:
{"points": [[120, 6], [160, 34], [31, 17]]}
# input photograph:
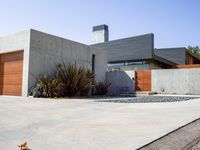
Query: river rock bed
{"points": [[149, 99]]}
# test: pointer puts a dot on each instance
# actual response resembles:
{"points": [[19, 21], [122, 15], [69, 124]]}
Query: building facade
{"points": [[26, 55], [139, 53], [180, 55]]}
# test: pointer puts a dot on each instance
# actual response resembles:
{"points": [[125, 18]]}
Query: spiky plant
{"points": [[101, 88], [76, 80], [85, 81], [50, 86]]}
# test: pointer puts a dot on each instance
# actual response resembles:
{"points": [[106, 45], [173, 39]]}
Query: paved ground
{"points": [[185, 138], [196, 146], [88, 125]]}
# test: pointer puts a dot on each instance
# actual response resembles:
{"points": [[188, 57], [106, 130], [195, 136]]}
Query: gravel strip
{"points": [[149, 99], [182, 138], [196, 147]]}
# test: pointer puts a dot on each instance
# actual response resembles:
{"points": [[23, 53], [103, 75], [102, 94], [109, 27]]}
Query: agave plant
{"points": [[49, 86], [76, 80], [85, 81], [101, 88]]}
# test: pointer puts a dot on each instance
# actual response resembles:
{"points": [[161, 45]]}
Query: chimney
{"points": [[100, 34]]}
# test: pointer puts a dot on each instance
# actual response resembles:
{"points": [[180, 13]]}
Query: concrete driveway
{"points": [[88, 125]]}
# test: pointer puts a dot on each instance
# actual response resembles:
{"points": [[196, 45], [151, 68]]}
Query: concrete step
{"points": [[128, 94], [144, 93]]}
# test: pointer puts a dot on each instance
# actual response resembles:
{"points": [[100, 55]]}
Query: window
{"points": [[93, 63]]}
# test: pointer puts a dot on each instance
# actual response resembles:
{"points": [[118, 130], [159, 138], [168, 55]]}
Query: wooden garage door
{"points": [[11, 68], [143, 80]]}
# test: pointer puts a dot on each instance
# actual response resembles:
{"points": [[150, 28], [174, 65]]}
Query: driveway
{"points": [[87, 125]]}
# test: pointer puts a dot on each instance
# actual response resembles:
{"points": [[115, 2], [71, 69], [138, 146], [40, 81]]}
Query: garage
{"points": [[11, 68]]}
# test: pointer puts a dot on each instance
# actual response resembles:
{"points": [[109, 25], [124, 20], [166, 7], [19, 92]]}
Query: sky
{"points": [[175, 23]]}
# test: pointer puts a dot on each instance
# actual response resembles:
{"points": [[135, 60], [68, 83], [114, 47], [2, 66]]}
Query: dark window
{"points": [[93, 63], [127, 63], [187, 59]]}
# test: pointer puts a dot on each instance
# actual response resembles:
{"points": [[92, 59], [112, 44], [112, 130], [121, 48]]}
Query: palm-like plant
{"points": [[85, 81], [76, 80], [101, 88], [50, 86]]}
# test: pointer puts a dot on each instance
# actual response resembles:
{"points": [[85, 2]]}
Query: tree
{"points": [[194, 49]]}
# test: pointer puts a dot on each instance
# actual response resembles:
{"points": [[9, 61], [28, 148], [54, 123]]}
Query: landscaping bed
{"points": [[148, 99]]}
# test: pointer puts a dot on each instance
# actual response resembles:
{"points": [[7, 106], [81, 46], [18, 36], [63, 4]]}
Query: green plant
{"points": [[48, 86], [77, 80], [194, 49], [85, 81], [101, 88]]}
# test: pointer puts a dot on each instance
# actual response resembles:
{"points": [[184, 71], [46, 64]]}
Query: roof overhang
{"points": [[194, 55], [163, 60]]}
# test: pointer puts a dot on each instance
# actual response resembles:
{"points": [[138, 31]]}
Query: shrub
{"points": [[68, 80], [77, 80], [101, 88], [85, 81], [48, 86]]}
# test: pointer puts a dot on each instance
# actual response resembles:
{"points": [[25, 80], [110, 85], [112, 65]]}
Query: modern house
{"points": [[26, 55], [180, 56], [138, 52]]}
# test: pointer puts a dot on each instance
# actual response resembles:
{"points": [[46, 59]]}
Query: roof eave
{"points": [[163, 60]]}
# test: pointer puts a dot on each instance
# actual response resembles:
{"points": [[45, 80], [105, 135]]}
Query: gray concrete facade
{"points": [[176, 81], [100, 34], [163, 81], [47, 50], [128, 49], [140, 49], [43, 51], [16, 42], [176, 55], [122, 82]]}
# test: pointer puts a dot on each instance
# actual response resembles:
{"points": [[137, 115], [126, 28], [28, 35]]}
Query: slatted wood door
{"points": [[143, 80], [11, 68]]}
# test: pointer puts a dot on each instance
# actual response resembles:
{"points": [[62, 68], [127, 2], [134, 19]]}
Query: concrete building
{"points": [[100, 34], [26, 55], [179, 81], [180, 55], [139, 53]]}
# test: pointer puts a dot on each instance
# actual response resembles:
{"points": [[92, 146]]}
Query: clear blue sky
{"points": [[174, 23]]}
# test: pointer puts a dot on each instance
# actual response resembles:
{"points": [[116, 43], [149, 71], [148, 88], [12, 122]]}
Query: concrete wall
{"points": [[16, 42], [99, 36], [176, 81], [172, 53], [48, 50], [133, 48], [120, 81]]}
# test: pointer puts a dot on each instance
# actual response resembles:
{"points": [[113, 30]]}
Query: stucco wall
{"points": [[16, 42], [176, 81], [120, 81], [48, 50]]}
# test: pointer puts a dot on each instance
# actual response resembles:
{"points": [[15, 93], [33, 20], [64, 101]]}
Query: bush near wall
{"points": [[77, 80], [68, 80], [48, 86], [101, 88]]}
